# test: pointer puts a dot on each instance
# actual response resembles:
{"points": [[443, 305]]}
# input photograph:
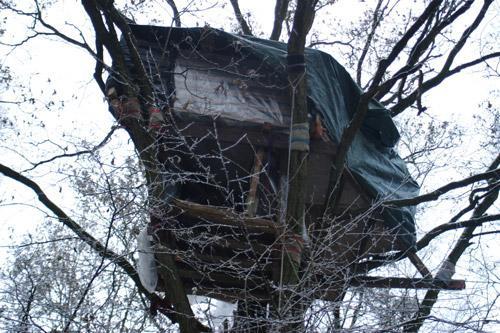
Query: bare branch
{"points": [[10, 102], [177, 17], [78, 153], [493, 188], [280, 11], [447, 268], [75, 227], [377, 18], [335, 42], [95, 244], [245, 28], [434, 195], [446, 70], [479, 234], [474, 222]]}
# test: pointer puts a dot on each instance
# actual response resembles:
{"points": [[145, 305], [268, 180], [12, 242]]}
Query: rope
{"points": [[295, 62], [299, 137]]}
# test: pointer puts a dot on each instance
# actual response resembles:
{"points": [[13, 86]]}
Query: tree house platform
{"points": [[221, 122], [227, 231]]}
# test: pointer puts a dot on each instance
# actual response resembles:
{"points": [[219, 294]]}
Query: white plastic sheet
{"points": [[146, 266], [217, 93]]}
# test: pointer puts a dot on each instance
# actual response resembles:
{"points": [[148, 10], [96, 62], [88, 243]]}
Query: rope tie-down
{"points": [[299, 137]]}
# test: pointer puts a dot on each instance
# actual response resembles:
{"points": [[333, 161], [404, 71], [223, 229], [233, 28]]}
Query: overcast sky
{"points": [[54, 71]]}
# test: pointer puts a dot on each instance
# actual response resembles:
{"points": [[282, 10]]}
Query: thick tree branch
{"points": [[377, 18], [143, 139], [436, 80], [280, 11], [346, 140], [145, 85], [99, 64], [446, 70], [447, 268], [177, 17], [110, 41], [434, 195], [355, 124], [288, 277], [245, 28], [426, 39], [431, 8]]}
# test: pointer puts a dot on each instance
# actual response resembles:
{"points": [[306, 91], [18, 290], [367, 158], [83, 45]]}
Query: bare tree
{"points": [[310, 285]]}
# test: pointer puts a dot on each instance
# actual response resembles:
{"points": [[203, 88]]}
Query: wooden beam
{"points": [[415, 260], [225, 216], [252, 198], [257, 137], [230, 289], [223, 264]]}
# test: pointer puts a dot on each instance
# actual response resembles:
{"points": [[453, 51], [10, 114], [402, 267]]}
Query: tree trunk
{"points": [[288, 306]]}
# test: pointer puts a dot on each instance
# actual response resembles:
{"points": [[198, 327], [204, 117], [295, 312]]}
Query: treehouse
{"points": [[222, 127]]}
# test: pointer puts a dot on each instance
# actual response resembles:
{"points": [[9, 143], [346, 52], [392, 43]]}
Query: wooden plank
{"points": [[225, 216], [415, 260], [223, 264], [229, 288], [229, 280], [252, 199], [252, 134], [255, 135]]}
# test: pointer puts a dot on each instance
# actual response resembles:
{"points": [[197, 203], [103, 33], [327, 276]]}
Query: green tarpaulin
{"points": [[332, 94]]}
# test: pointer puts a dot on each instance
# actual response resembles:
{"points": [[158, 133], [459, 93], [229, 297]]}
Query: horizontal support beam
{"points": [[225, 287], [226, 217], [233, 294]]}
